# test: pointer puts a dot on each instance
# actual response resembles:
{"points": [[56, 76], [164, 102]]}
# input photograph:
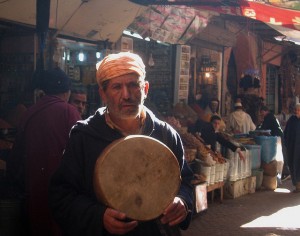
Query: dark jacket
{"points": [[72, 197], [271, 123], [292, 142], [210, 137]]}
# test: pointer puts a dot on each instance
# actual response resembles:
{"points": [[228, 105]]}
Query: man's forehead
{"points": [[79, 96], [132, 77]]}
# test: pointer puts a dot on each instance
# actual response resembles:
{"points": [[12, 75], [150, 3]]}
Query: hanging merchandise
{"points": [[250, 79]]}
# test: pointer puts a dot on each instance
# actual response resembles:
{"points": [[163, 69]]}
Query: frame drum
{"points": [[137, 175]]}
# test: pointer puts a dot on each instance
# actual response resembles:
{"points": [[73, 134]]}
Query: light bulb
{"points": [[151, 61], [81, 56]]}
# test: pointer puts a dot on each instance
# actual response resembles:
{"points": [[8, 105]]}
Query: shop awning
{"points": [[284, 20], [95, 20], [105, 20], [163, 14]]}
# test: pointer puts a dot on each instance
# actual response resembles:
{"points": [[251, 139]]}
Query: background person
{"points": [[239, 122], [270, 122], [216, 122], [213, 109], [209, 132], [122, 87], [78, 98], [38, 148], [292, 142]]}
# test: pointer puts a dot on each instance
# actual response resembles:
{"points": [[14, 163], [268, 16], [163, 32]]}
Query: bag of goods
{"points": [[207, 160], [270, 169], [184, 113]]}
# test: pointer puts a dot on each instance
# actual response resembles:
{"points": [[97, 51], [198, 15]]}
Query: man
{"points": [[270, 122], [292, 142], [209, 132], [213, 109], [122, 87], [216, 120], [39, 145], [78, 98], [240, 122]]}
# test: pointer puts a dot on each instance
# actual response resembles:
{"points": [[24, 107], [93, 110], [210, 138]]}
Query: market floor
{"points": [[263, 213]]}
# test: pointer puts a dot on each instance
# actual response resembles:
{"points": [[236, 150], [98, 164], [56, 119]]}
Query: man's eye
{"points": [[116, 87], [134, 85]]}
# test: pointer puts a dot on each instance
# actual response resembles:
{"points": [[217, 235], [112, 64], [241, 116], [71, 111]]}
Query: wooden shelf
{"points": [[213, 187]]}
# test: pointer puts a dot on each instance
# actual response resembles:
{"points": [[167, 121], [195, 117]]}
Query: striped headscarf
{"points": [[114, 65]]}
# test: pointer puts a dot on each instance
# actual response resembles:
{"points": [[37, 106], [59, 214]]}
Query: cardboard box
{"points": [[200, 192], [235, 189]]}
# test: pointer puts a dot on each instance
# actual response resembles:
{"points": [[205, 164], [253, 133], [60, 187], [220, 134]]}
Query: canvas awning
{"points": [[95, 20], [105, 20]]}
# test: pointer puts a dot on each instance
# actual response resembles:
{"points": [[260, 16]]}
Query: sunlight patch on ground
{"points": [[287, 218], [282, 190]]}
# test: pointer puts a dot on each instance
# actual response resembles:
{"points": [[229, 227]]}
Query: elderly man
{"points": [[122, 87]]}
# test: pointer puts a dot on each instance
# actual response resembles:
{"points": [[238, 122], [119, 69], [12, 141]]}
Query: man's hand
{"points": [[175, 213], [114, 222], [241, 155]]}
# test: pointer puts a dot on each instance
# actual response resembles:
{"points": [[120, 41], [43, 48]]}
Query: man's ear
{"points": [[146, 88]]}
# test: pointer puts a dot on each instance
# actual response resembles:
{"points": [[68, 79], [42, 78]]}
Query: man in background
{"points": [[78, 98], [239, 122], [270, 122], [38, 149]]}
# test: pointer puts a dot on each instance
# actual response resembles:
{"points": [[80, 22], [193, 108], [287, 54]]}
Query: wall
{"points": [[16, 70], [160, 76]]}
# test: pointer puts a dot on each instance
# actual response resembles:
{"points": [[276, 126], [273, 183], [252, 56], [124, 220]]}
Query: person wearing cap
{"points": [[292, 142], [123, 90], [239, 122], [213, 109], [78, 98], [38, 147]]}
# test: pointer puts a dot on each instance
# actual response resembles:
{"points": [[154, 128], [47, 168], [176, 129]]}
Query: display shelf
{"points": [[213, 187]]}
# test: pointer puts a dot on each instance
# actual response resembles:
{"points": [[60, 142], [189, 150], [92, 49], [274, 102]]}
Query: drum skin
{"points": [[137, 175]]}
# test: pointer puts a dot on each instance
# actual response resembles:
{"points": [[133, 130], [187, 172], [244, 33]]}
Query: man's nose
{"points": [[125, 92]]}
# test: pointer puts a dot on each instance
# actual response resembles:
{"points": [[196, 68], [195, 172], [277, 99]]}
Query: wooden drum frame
{"points": [[137, 175]]}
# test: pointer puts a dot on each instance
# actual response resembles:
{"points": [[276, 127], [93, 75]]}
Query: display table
{"points": [[211, 188]]}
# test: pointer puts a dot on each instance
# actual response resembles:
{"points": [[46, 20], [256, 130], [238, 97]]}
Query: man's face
{"points": [[214, 106], [124, 96], [79, 101], [216, 124], [263, 113]]}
